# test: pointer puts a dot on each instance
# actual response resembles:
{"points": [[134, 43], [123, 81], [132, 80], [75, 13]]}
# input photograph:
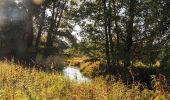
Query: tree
{"points": [[130, 32], [40, 28]]}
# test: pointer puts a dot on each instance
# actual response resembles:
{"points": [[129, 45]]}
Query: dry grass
{"points": [[86, 67], [17, 83]]}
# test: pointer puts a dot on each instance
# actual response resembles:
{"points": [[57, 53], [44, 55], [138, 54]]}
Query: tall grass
{"points": [[19, 83]]}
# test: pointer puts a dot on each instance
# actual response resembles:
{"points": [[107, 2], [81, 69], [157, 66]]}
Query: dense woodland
{"points": [[127, 40]]}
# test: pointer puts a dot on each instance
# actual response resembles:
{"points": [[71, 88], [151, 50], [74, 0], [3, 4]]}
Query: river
{"points": [[73, 73]]}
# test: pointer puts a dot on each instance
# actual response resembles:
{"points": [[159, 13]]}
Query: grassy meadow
{"points": [[20, 83]]}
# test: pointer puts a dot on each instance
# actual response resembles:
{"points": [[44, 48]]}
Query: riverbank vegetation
{"points": [[17, 83], [122, 45]]}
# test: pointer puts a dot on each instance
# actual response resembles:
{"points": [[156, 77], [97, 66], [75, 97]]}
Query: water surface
{"points": [[73, 73]]}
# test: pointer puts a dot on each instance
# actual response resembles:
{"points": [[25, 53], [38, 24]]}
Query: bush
{"points": [[50, 63]]}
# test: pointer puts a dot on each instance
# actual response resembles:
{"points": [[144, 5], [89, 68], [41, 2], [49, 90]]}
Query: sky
{"points": [[76, 31]]}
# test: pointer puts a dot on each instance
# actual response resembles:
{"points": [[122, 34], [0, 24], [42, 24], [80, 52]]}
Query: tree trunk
{"points": [[117, 33], [129, 30], [53, 27], [112, 69], [58, 16], [106, 37], [40, 29], [49, 43]]}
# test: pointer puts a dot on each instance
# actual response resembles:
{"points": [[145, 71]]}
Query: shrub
{"points": [[50, 63]]}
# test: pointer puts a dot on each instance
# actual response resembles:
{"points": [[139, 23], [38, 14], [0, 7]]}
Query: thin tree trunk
{"points": [[40, 29], [112, 69], [48, 45], [106, 36], [117, 33], [59, 19], [53, 25], [129, 30]]}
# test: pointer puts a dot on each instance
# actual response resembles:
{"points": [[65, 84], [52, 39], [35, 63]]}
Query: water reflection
{"points": [[73, 73]]}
